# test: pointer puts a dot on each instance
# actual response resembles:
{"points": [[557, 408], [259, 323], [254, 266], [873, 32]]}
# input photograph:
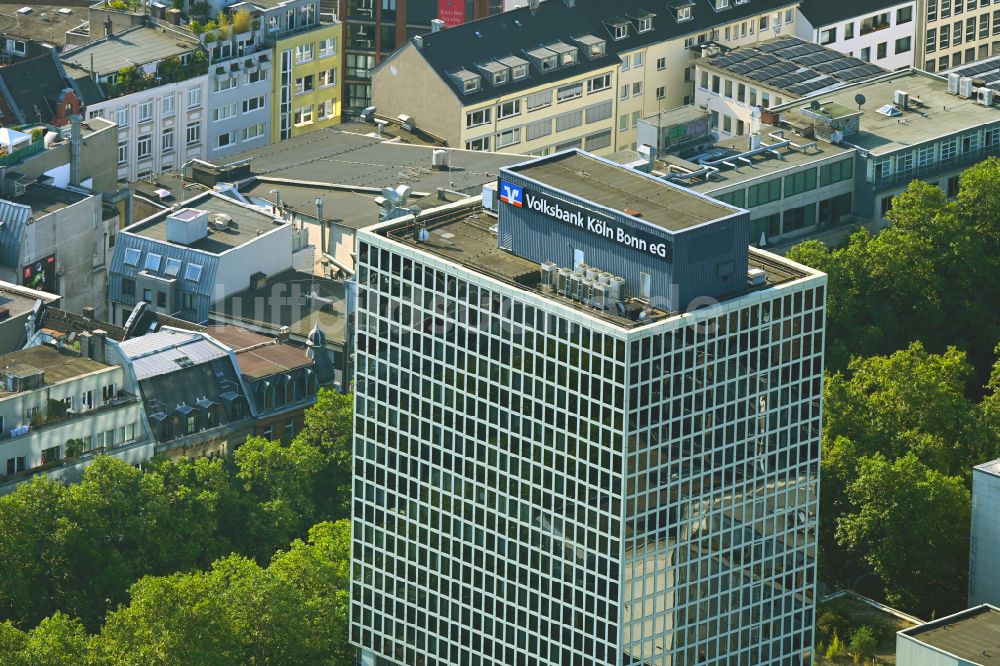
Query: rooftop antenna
{"points": [[814, 105], [860, 100]]}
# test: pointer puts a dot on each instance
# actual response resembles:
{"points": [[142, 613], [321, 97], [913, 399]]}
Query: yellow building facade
{"points": [[306, 81]]}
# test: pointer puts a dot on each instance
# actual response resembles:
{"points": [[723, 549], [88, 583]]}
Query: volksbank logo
{"points": [[512, 194]]}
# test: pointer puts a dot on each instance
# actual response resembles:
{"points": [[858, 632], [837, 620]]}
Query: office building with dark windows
{"points": [[587, 429]]}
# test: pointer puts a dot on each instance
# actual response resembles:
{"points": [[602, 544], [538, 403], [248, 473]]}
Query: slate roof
{"points": [[823, 12], [32, 86], [518, 31], [63, 321]]}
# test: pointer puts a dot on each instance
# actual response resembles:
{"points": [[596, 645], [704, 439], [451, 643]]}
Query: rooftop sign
{"points": [[577, 216]]}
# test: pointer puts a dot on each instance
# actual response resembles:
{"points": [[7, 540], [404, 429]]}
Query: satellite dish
{"points": [[860, 99], [814, 105]]}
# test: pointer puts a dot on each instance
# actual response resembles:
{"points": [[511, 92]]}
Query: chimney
{"points": [[437, 25], [418, 41], [109, 27], [88, 311], [86, 344], [98, 343], [75, 141]]}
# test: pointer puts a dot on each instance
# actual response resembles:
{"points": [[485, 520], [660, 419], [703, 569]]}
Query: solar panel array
{"points": [[988, 72], [797, 66]]}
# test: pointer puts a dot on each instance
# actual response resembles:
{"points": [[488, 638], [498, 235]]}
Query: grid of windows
{"points": [[506, 457]]}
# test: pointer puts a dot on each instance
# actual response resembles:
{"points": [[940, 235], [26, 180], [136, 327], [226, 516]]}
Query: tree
{"points": [[863, 644], [908, 401], [910, 524], [59, 640], [280, 482], [329, 427], [320, 569], [929, 276], [292, 612]]}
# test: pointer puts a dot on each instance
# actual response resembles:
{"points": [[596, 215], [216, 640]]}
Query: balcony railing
{"points": [[121, 399], [935, 169], [868, 28]]}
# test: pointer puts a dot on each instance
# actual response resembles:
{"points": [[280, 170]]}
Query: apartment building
{"points": [[182, 261], [306, 89], [375, 28], [957, 32], [882, 32], [555, 76], [591, 437], [38, 90], [735, 86], [152, 82], [61, 404]]}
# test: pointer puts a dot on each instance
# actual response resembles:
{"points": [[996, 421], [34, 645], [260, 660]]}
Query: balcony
{"points": [[868, 27]]}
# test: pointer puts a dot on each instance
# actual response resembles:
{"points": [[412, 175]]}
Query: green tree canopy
{"points": [[911, 525]]}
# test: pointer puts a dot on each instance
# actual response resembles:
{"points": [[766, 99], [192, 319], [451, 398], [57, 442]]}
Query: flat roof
{"points": [[621, 189], [793, 66], [933, 112], [57, 364], [677, 116], [463, 236], [972, 635], [44, 199], [992, 467], [342, 206], [280, 303], [138, 45], [249, 222], [46, 23], [20, 300], [346, 158], [762, 165]]}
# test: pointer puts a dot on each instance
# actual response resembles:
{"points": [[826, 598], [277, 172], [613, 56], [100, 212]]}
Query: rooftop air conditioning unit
{"points": [[953, 79], [756, 277], [965, 87], [549, 272], [439, 159], [406, 122], [600, 295], [984, 96], [901, 99]]}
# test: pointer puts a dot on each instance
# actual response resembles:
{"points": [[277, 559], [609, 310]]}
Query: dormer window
{"points": [[646, 24], [518, 67], [721, 4], [544, 59], [496, 72], [593, 47], [683, 13], [618, 27], [567, 54], [470, 81]]}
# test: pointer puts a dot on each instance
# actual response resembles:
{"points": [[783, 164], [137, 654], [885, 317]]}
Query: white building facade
{"points": [[883, 33], [984, 544], [159, 128]]}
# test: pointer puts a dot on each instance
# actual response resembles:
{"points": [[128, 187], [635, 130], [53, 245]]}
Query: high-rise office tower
{"points": [[587, 430]]}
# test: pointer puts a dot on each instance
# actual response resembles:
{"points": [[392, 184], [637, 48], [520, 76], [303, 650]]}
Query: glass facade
{"points": [[534, 485]]}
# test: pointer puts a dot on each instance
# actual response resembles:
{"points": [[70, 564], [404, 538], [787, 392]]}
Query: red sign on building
{"points": [[452, 12]]}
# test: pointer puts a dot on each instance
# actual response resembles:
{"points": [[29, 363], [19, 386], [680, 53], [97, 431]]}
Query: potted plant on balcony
{"points": [[73, 449], [242, 23]]}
